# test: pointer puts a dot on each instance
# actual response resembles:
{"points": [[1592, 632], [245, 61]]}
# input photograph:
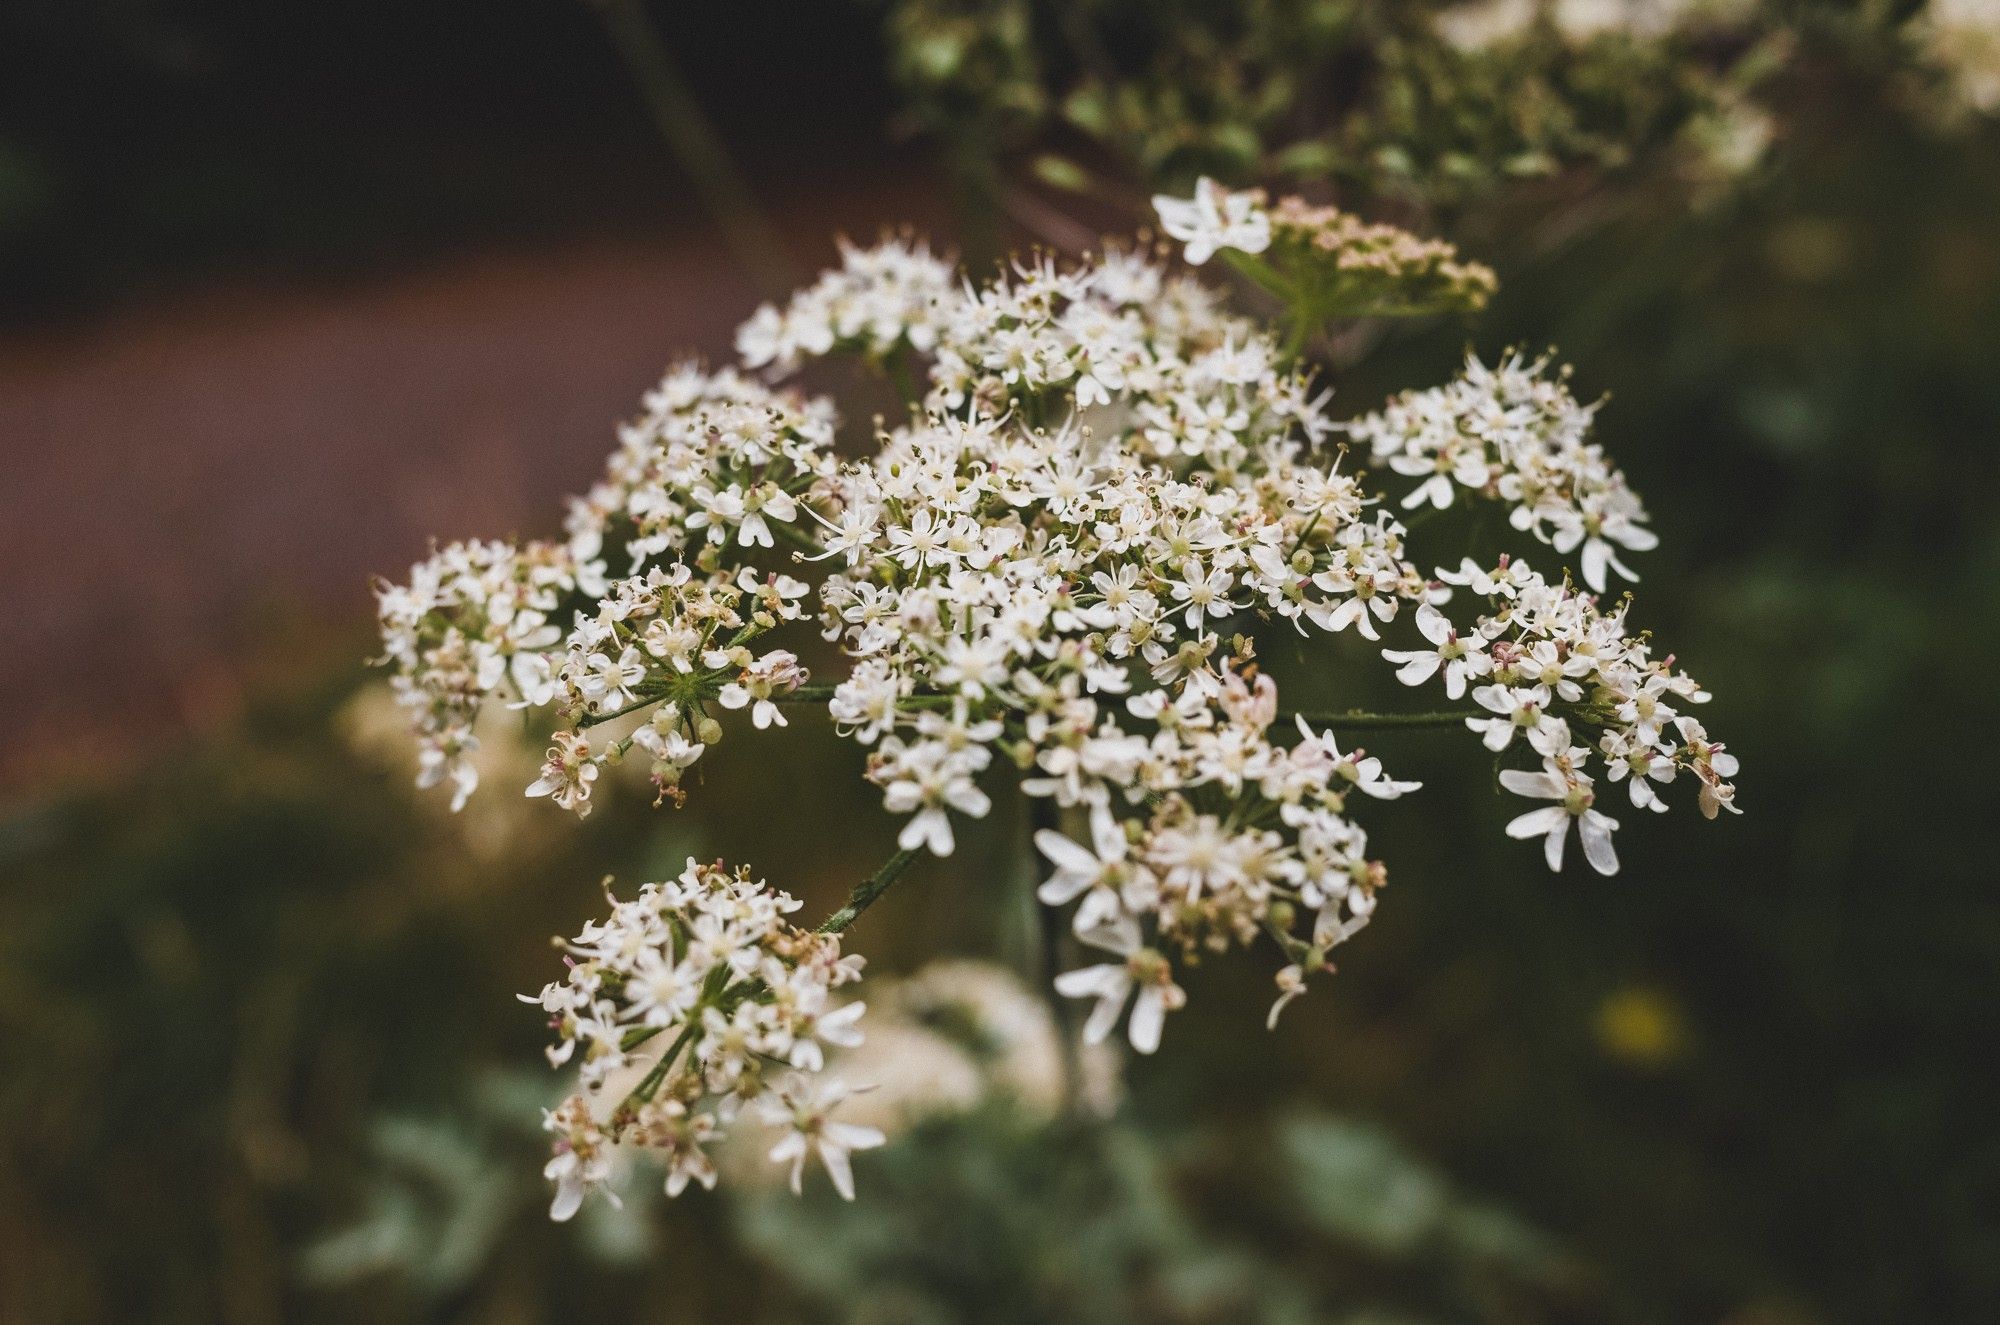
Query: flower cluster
{"points": [[717, 461], [1251, 838], [675, 642], [1570, 681], [1515, 434], [691, 1002], [473, 626], [878, 301], [1059, 563], [1040, 593]]}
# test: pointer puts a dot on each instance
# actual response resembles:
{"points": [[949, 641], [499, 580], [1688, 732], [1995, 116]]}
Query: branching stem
{"points": [[594, 719]]}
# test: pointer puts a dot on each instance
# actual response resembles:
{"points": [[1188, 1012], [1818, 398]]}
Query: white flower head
{"points": [[1057, 566]]}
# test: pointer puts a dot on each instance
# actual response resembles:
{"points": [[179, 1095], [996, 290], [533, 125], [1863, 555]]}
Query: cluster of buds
{"points": [[1355, 268]]}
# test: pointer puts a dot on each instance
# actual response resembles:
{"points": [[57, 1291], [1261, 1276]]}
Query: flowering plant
{"points": [[1105, 483]]}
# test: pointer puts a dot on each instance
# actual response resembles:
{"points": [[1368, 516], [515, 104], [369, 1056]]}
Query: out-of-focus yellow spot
{"points": [[1811, 249], [1642, 1027]]}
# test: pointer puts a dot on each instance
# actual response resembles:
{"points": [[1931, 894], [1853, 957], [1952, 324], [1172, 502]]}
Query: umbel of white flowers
{"points": [[1104, 477]]}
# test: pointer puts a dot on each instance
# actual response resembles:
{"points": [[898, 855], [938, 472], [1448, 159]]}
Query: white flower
{"points": [[1518, 709], [1360, 770], [1101, 877], [1600, 534], [1712, 765], [671, 751], [1552, 823], [1203, 593], [1461, 660], [582, 1159], [1291, 981], [775, 673], [836, 1028], [1628, 755], [930, 779], [608, 682], [568, 775], [1112, 983], [803, 1109], [1215, 218], [674, 1133]]}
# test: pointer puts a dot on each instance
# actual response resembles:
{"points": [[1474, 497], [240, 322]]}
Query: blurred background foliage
{"points": [[262, 1060]]}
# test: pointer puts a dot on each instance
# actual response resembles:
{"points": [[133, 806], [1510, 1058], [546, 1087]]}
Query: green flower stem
{"points": [[1360, 719], [1428, 514], [1299, 336], [866, 892], [805, 695], [1262, 272], [820, 694], [897, 366], [650, 1083]]}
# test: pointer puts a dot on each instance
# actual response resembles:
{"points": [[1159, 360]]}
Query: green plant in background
{"points": [[1433, 105], [983, 1218], [443, 1194], [1442, 108]]}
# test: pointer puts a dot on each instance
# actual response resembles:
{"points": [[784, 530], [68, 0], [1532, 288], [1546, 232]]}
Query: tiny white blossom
{"points": [[1112, 985], [1574, 798], [1214, 218], [804, 1110]]}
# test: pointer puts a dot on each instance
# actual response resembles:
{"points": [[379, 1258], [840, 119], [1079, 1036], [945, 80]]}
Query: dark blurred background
{"points": [[287, 290]]}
